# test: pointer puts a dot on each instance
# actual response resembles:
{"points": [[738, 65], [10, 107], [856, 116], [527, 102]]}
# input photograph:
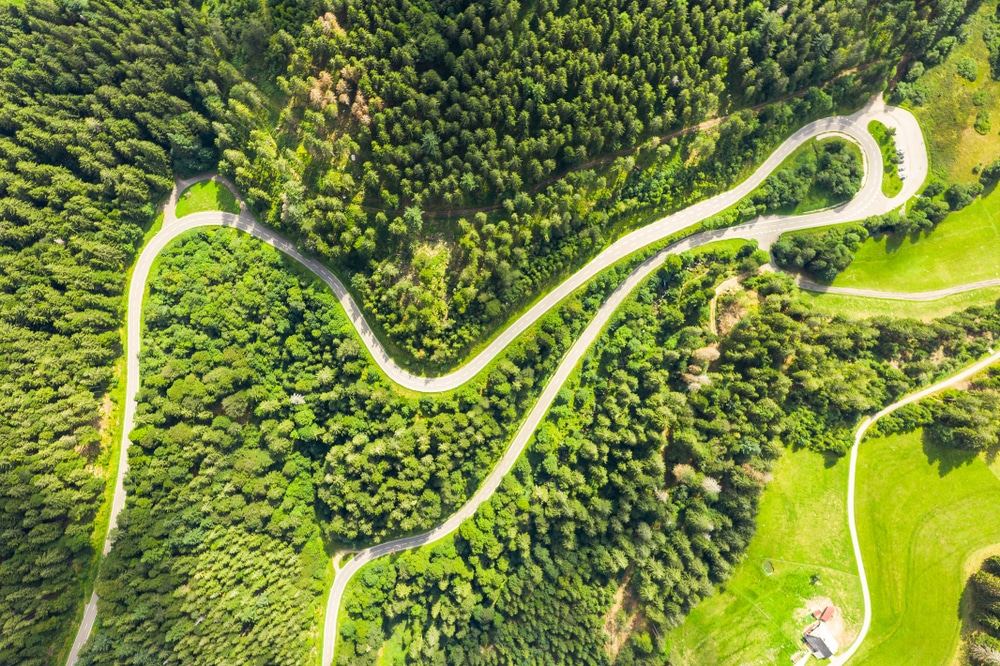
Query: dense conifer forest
{"points": [[256, 445], [99, 107], [397, 112], [984, 643], [450, 159]]}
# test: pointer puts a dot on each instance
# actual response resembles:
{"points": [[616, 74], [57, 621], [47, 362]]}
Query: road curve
{"points": [[869, 201], [809, 285], [851, 483]]}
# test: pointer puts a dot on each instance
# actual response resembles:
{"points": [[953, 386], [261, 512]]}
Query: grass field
{"points": [[206, 195], [802, 530], [856, 307], [962, 249], [949, 112], [924, 514], [891, 183]]}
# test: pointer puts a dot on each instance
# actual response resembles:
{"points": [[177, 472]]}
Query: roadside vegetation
{"points": [[952, 241], [818, 174], [80, 174], [958, 101], [800, 558], [425, 147], [891, 183], [922, 547], [820, 255], [961, 249], [638, 495], [924, 500], [831, 167], [207, 195], [343, 124]]}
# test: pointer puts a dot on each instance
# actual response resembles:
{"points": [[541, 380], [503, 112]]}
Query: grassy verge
{"points": [[949, 112], [962, 249], [206, 195], [757, 618], [923, 514], [856, 307], [891, 183]]}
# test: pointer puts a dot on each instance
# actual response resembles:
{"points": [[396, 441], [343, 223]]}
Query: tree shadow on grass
{"points": [[831, 458], [964, 611], [893, 242], [945, 459], [993, 452]]}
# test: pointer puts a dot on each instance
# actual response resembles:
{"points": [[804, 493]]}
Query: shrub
{"points": [[934, 188], [990, 173], [968, 69], [982, 122], [959, 196], [914, 93], [821, 255]]}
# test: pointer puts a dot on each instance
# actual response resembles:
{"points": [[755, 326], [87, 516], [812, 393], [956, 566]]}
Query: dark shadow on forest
{"points": [[945, 459]]}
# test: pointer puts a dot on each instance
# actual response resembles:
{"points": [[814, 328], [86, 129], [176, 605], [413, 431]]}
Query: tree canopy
{"points": [[95, 117], [638, 493], [355, 128]]}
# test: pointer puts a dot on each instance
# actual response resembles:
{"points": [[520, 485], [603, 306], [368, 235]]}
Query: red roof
{"points": [[827, 614]]}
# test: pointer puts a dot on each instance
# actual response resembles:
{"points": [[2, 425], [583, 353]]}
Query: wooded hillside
{"points": [[639, 492], [345, 124], [98, 108], [395, 113], [264, 434]]}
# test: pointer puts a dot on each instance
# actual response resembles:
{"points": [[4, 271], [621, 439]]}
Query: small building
{"points": [[824, 614], [820, 641]]}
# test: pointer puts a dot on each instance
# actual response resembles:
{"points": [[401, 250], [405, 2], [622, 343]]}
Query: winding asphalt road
{"points": [[869, 201], [971, 371]]}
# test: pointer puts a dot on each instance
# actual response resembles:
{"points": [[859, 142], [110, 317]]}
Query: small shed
{"points": [[820, 641]]}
